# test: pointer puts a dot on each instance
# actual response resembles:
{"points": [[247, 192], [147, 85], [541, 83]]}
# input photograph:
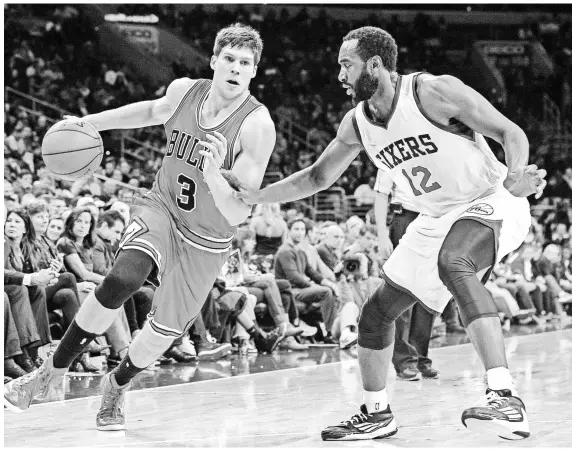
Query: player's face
{"points": [[353, 74], [233, 68]]}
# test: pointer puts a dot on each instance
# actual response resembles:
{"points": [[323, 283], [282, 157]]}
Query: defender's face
{"points": [[353, 74], [233, 68]]}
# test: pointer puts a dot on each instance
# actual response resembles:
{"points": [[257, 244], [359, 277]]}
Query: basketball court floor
{"points": [[286, 399]]}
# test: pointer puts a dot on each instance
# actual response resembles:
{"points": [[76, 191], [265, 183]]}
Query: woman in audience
{"points": [[77, 244], [64, 293], [269, 227], [55, 229], [25, 286]]}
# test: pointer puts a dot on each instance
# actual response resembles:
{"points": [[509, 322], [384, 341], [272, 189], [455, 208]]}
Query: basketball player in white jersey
{"points": [[427, 131], [181, 230]]}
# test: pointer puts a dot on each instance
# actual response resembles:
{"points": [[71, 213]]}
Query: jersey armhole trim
{"points": [[230, 155], [468, 134], [356, 128], [182, 101]]}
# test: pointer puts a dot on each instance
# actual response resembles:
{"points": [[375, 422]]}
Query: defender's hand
{"points": [[527, 181], [248, 196]]}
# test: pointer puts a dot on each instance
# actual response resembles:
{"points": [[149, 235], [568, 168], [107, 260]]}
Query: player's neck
{"points": [[216, 103], [380, 104]]}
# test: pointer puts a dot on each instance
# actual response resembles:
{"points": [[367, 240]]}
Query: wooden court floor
{"points": [[288, 408]]}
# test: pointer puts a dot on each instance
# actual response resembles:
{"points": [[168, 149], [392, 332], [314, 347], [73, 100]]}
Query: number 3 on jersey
{"points": [[187, 198], [424, 183]]}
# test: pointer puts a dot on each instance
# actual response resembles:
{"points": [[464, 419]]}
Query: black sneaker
{"points": [[363, 426], [427, 371], [267, 342], [502, 414]]}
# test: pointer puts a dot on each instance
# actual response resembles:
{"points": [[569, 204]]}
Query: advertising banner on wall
{"points": [[145, 36]]}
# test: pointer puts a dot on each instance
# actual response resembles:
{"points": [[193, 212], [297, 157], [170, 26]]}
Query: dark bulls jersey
{"points": [[180, 183]]}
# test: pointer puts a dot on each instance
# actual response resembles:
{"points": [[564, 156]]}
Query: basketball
{"points": [[72, 149]]}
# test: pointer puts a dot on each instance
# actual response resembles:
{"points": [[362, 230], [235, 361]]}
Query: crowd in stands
{"points": [[289, 268]]}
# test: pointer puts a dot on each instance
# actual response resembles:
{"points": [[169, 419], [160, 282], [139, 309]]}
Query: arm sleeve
{"points": [[287, 260]]}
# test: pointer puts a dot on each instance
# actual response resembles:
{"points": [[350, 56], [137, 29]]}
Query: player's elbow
{"points": [[239, 216]]}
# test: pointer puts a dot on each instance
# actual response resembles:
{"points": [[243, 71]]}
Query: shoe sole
{"points": [[216, 353], [12, 408], [117, 427], [349, 344], [382, 433], [498, 427], [414, 378]]}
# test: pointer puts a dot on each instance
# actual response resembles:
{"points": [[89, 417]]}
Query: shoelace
{"points": [[111, 401], [493, 399], [361, 417]]}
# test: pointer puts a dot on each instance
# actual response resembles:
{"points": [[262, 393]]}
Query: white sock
{"points": [[375, 401], [500, 378]]}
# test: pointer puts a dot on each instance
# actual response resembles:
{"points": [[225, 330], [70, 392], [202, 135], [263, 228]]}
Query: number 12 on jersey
{"points": [[424, 183]]}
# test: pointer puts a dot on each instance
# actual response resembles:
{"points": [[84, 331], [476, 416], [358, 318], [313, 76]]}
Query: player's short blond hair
{"points": [[240, 35]]}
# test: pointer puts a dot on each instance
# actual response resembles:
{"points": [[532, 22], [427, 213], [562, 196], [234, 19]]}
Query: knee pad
{"points": [[376, 331]]}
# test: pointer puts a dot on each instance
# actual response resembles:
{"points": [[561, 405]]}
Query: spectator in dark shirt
{"points": [[330, 249], [308, 285]]}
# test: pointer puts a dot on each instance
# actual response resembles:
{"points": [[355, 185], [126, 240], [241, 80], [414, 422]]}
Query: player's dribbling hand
{"points": [[215, 152], [527, 181]]}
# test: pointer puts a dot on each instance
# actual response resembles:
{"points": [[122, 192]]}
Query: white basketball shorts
{"points": [[412, 266]]}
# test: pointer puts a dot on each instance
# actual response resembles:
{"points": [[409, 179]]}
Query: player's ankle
{"points": [[499, 378], [375, 401]]}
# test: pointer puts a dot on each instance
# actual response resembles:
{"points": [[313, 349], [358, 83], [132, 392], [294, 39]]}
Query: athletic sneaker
{"points": [[111, 415], [363, 426], [267, 342], [347, 338], [213, 350], [19, 393], [501, 413], [308, 330]]}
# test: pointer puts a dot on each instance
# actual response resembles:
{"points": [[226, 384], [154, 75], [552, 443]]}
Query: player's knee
{"points": [[453, 266], [117, 288], [375, 330]]}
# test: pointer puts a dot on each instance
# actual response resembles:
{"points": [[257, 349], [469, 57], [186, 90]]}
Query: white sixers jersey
{"points": [[443, 166]]}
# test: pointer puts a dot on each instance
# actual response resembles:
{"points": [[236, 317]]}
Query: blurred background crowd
{"points": [[57, 62]]}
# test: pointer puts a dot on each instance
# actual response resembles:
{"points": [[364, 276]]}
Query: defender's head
{"points": [[366, 56]]}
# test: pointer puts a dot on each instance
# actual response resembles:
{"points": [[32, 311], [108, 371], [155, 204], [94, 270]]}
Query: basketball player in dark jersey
{"points": [[427, 132], [183, 227]]}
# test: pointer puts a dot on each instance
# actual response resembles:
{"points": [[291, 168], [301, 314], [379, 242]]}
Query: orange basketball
{"points": [[72, 149]]}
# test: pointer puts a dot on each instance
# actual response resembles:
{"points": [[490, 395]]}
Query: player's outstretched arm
{"points": [[142, 114], [257, 141], [446, 97], [337, 157]]}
